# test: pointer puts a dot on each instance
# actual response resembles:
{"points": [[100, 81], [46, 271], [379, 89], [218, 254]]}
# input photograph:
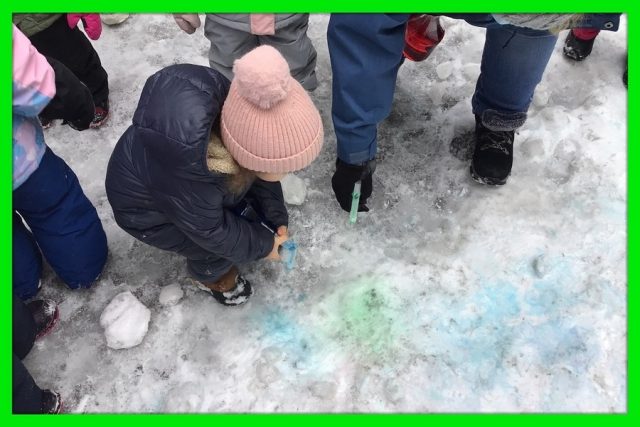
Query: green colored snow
{"points": [[362, 316]]}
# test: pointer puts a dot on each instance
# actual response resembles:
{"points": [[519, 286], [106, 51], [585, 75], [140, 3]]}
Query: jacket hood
{"points": [[177, 109]]}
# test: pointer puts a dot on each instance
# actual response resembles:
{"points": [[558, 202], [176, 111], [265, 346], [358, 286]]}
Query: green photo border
{"points": [[630, 7]]}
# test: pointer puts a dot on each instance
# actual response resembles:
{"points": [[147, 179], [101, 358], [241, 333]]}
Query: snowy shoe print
{"points": [[493, 155]]}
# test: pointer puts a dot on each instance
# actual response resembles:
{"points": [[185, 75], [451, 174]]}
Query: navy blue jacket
{"points": [[158, 183]]}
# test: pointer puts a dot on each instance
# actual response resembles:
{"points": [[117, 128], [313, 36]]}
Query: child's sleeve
{"points": [[269, 196], [199, 213], [33, 77]]}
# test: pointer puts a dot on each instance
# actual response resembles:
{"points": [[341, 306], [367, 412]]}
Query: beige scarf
{"points": [[221, 161]]}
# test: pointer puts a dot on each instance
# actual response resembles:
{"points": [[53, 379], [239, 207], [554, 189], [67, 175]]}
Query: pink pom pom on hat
{"points": [[269, 123]]}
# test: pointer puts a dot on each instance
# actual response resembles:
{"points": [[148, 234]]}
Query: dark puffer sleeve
{"points": [[269, 196], [199, 213]]}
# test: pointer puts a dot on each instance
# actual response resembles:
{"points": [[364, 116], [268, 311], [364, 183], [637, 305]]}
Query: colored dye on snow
{"points": [[279, 329], [561, 345], [478, 333], [363, 315]]}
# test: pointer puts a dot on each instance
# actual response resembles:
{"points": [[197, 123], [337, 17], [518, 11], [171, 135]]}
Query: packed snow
{"points": [[125, 321], [294, 189], [170, 295], [447, 296]]}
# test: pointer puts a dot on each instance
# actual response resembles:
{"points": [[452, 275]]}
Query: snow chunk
{"points": [[113, 18], [444, 70], [294, 189], [541, 266], [125, 321], [171, 294]]}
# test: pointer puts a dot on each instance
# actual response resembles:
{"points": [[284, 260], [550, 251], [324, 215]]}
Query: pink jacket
{"points": [[33, 88]]}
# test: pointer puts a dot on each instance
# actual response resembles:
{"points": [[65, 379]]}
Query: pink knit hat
{"points": [[269, 123]]}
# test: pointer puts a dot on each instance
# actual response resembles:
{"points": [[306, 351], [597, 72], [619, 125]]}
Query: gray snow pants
{"points": [[229, 44]]}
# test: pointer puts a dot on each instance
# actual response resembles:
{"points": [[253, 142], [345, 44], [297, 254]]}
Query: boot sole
{"points": [[96, 125], [54, 321], [486, 180]]}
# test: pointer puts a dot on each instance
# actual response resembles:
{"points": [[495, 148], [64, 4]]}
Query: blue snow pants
{"points": [[64, 227], [366, 53], [26, 395]]}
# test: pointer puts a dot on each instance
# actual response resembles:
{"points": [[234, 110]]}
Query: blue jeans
{"points": [[63, 225], [366, 53]]}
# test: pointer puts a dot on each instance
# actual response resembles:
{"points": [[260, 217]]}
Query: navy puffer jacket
{"points": [[158, 183]]}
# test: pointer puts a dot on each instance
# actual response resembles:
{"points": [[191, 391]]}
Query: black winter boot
{"points": [[230, 289], [493, 155], [45, 313], [236, 296], [51, 402], [577, 49]]}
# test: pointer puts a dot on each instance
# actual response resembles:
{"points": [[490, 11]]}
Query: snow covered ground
{"points": [[448, 296]]}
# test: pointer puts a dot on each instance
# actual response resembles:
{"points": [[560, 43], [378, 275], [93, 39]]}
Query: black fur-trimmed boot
{"points": [[492, 156], [231, 289], [236, 296]]}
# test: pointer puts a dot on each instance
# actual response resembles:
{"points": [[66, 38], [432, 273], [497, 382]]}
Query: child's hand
{"points": [[278, 239], [90, 22], [188, 22], [283, 231]]}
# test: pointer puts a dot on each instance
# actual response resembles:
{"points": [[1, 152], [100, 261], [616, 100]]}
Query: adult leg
{"points": [[513, 62], [366, 53], [26, 262], [63, 221]]}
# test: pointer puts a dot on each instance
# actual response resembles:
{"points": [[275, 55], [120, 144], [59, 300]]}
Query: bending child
{"points": [[184, 173]]}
